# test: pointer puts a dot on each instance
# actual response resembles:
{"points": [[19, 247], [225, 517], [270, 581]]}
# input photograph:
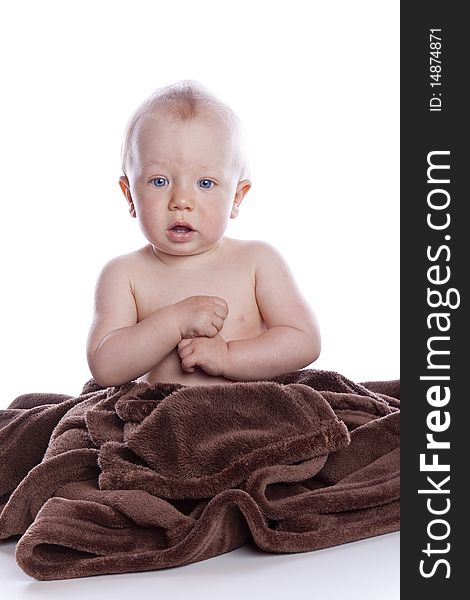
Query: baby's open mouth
{"points": [[181, 229]]}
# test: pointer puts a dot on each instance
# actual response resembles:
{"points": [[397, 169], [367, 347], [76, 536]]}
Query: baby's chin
{"points": [[186, 248]]}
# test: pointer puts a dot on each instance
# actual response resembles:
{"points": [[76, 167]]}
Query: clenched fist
{"points": [[201, 316], [209, 354]]}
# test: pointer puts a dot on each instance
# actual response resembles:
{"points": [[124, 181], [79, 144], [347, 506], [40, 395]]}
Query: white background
{"points": [[316, 85]]}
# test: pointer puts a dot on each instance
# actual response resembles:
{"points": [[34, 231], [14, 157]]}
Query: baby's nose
{"points": [[181, 198]]}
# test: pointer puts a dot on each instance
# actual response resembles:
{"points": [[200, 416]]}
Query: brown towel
{"points": [[139, 477]]}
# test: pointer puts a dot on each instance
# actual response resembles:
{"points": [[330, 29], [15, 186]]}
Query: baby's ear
{"points": [[125, 187], [242, 188]]}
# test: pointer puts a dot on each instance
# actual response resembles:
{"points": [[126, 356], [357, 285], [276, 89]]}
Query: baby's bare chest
{"points": [[235, 283]]}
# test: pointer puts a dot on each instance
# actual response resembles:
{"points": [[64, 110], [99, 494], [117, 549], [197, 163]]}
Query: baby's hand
{"points": [[201, 316], [210, 354]]}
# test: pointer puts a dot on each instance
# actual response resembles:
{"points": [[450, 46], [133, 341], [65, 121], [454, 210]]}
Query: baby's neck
{"points": [[188, 262]]}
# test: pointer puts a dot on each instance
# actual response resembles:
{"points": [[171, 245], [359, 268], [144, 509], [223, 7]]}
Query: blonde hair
{"points": [[185, 100]]}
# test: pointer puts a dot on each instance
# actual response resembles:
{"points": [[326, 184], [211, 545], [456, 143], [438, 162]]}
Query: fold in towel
{"points": [[139, 477]]}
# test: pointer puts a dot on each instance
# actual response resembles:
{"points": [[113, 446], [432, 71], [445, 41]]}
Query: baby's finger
{"points": [[211, 331], [188, 364], [222, 307], [184, 342], [186, 351], [218, 323], [220, 312]]}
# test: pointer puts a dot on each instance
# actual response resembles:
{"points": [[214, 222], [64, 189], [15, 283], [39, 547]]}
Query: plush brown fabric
{"points": [[139, 477]]}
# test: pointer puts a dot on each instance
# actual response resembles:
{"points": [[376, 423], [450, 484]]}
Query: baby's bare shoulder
{"points": [[124, 266], [258, 253], [249, 248]]}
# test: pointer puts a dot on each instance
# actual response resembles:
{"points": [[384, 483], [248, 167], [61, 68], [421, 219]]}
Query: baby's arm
{"points": [[119, 349], [292, 340]]}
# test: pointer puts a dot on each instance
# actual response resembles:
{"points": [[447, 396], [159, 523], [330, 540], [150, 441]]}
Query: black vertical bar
{"points": [[435, 254]]}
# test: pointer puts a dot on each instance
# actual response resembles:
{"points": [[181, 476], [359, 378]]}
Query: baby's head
{"points": [[183, 159]]}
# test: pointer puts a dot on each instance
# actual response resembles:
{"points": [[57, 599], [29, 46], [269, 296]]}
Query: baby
{"points": [[193, 306]]}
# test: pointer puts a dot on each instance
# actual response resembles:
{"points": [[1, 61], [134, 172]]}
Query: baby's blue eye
{"points": [[203, 183], [160, 181]]}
